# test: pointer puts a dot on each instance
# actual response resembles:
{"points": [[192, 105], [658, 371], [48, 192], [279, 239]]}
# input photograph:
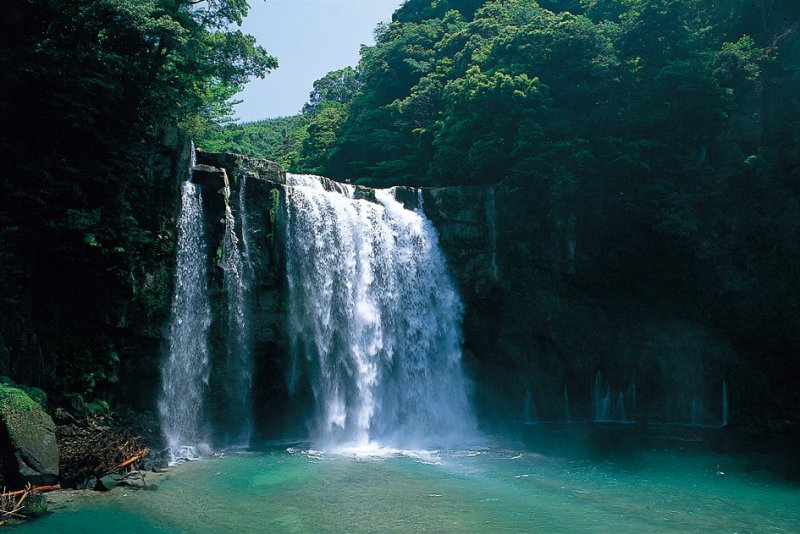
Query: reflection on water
{"points": [[294, 488]]}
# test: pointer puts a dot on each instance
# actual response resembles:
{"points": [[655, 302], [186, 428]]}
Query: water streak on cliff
{"points": [[238, 424]]}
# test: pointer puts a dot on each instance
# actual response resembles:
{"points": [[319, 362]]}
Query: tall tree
{"points": [[85, 88]]}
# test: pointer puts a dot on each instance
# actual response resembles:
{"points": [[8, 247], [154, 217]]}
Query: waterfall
{"points": [[724, 403], [599, 401], [185, 372], [606, 409], [238, 424], [619, 410], [374, 318], [491, 223], [529, 409], [247, 273]]}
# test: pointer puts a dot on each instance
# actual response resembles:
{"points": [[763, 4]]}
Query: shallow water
{"points": [[493, 489]]}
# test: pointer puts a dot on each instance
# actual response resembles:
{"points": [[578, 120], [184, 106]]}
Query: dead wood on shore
{"points": [[97, 446]]}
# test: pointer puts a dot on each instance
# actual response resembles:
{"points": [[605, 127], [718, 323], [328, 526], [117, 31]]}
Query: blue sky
{"points": [[310, 38]]}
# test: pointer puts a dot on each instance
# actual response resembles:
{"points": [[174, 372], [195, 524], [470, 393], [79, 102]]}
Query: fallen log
{"points": [[138, 456], [37, 489]]}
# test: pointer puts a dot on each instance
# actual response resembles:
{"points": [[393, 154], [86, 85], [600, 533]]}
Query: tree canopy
{"points": [[447, 89], [87, 87]]}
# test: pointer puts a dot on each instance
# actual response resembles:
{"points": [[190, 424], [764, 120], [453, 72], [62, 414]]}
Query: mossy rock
{"points": [[27, 440], [34, 504], [365, 193], [33, 392]]}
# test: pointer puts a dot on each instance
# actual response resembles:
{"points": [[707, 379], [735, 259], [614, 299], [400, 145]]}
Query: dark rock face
{"points": [[234, 164], [209, 177], [233, 179], [544, 337], [461, 217], [27, 440], [541, 347]]}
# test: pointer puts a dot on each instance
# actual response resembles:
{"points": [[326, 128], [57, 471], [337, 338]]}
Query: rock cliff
{"points": [[536, 344]]}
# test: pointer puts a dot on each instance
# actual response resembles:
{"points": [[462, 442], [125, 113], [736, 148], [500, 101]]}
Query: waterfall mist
{"points": [[374, 318]]}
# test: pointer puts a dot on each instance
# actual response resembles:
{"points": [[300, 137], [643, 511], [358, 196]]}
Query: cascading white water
{"points": [[376, 317], [238, 424], [186, 370], [183, 406]]}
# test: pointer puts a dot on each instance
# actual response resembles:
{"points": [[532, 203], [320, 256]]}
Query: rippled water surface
{"points": [[295, 489]]}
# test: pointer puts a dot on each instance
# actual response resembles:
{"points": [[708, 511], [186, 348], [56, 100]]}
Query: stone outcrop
{"points": [[531, 335], [235, 164], [28, 448], [252, 188], [209, 177]]}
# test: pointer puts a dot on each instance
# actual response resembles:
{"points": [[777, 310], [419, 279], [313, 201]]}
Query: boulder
{"points": [[106, 483], [34, 504], [209, 177], [364, 193], [236, 164], [409, 197], [28, 448]]}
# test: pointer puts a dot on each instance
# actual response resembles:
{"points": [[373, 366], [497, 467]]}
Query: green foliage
{"points": [[487, 139], [89, 90], [339, 86], [737, 63], [321, 135], [300, 142], [277, 139], [34, 393], [98, 407], [451, 95]]}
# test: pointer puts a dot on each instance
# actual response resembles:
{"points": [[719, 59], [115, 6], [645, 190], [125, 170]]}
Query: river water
{"points": [[289, 487]]}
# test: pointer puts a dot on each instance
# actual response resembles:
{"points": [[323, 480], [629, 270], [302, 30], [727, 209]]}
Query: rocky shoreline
{"points": [[133, 481], [51, 455]]}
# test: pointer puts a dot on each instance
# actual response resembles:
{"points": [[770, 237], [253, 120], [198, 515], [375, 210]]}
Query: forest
{"points": [[90, 90]]}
